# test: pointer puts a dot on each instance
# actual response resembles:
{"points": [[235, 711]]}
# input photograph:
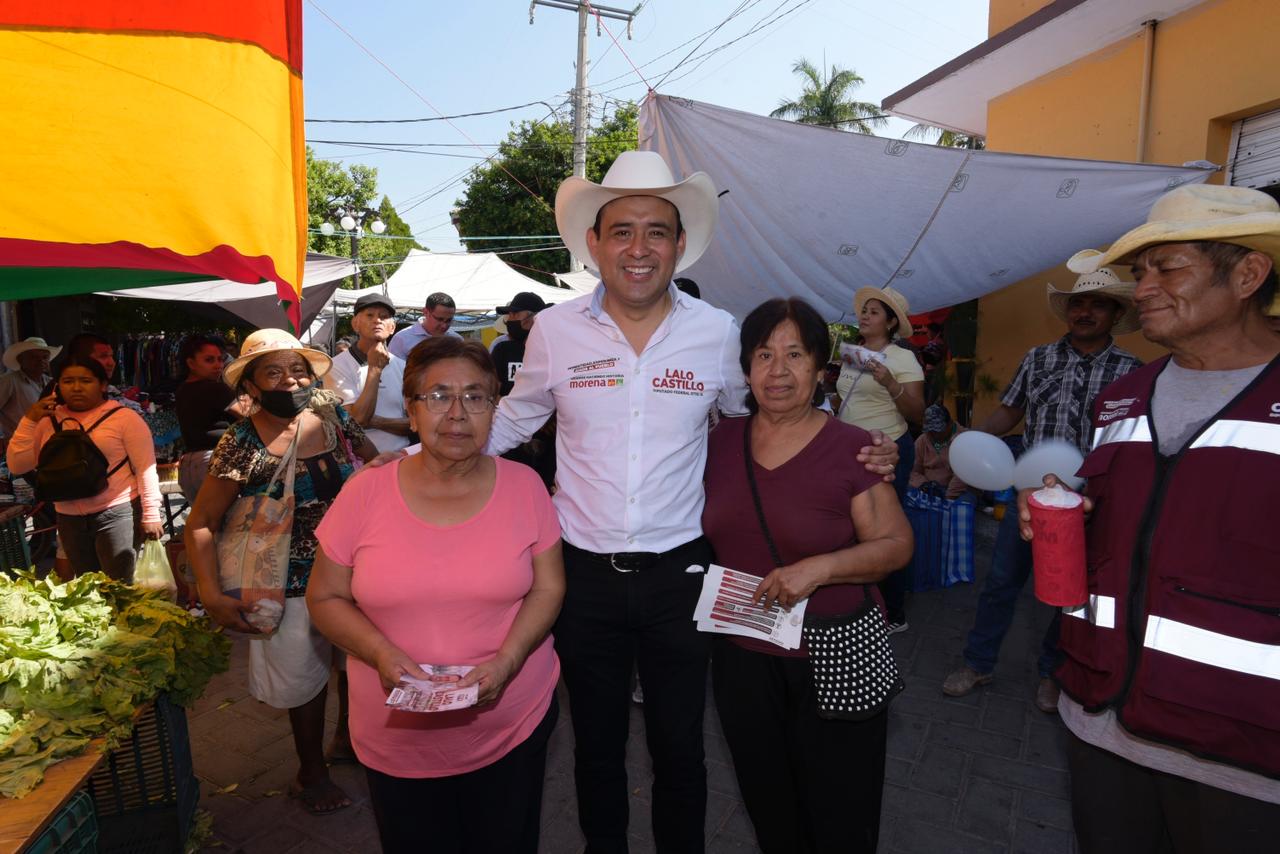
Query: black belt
{"points": [[634, 561]]}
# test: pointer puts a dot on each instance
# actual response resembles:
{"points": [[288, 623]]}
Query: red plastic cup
{"points": [[1057, 549]]}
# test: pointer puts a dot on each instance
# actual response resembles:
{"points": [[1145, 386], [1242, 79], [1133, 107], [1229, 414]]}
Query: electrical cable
{"points": [[427, 119]]}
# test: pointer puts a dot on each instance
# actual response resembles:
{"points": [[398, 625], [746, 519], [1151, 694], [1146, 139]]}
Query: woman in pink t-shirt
{"points": [[447, 557]]}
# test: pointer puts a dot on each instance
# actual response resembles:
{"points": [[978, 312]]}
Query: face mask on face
{"points": [[516, 332], [285, 404]]}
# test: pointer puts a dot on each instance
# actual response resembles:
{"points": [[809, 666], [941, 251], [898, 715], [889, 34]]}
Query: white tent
{"points": [[583, 281], [817, 213], [258, 304], [478, 282]]}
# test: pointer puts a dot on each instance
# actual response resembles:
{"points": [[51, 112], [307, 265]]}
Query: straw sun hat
{"points": [[896, 302], [638, 173], [266, 341], [1103, 281], [11, 355]]}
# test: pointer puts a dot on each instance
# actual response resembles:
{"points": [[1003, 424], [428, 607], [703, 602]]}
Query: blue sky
{"points": [[469, 56]]}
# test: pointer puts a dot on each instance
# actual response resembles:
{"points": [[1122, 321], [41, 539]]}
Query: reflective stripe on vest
{"points": [[1124, 430], [1218, 650], [1101, 611], [1247, 435]]}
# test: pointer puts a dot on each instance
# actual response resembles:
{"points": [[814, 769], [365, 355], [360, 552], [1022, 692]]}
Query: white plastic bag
{"points": [[152, 571]]}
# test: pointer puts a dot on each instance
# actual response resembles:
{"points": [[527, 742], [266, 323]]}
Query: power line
{"points": [[427, 119], [735, 13]]}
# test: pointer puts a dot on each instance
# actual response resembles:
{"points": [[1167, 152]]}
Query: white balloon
{"points": [[1051, 457], [982, 460]]}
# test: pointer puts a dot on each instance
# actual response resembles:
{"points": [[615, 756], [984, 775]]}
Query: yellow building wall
{"points": [[1212, 64], [1003, 14]]}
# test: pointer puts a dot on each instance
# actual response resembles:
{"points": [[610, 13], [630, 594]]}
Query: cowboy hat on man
{"points": [[11, 354], [1103, 282]]}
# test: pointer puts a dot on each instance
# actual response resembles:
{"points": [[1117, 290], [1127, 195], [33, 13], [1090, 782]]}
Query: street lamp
{"points": [[351, 220]]}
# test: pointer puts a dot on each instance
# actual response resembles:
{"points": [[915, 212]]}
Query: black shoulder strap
{"points": [[104, 417], [755, 492], [126, 459]]}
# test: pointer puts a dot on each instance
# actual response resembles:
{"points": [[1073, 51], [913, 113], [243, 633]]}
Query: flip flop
{"points": [[311, 797]]}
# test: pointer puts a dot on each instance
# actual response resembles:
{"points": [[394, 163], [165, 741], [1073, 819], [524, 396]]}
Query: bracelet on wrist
{"points": [[901, 390]]}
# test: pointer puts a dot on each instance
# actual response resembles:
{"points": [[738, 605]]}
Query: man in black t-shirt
{"points": [[508, 355]]}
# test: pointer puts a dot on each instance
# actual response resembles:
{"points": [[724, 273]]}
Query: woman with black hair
{"points": [[102, 532], [205, 407]]}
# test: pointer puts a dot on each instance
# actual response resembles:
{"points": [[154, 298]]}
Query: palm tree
{"points": [[945, 138], [826, 101]]}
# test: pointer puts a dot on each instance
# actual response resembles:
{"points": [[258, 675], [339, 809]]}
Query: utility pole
{"points": [[581, 95]]}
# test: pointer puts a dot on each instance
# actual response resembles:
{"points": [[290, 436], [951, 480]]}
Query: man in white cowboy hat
{"points": [[631, 371], [1054, 389], [1171, 671], [27, 363]]}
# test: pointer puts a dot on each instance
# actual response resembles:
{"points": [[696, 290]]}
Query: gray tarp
{"points": [[818, 213]]}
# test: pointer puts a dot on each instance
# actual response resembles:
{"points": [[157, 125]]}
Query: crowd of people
{"points": [[548, 511]]}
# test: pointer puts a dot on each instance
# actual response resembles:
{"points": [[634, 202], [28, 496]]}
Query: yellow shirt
{"points": [[866, 404]]}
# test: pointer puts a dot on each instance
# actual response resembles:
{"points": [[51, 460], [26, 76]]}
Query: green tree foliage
{"points": [[945, 138], [539, 156], [331, 186], [828, 100]]}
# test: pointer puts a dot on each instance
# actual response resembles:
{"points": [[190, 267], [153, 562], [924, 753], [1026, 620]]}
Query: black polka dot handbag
{"points": [[854, 672]]}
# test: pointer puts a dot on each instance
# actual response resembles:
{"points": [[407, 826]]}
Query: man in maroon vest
{"points": [[1171, 676]]}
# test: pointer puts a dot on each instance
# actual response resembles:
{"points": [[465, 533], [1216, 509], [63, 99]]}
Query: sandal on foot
{"points": [[320, 798]]}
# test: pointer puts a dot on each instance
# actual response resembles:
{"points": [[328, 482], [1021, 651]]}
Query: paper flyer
{"points": [[725, 606], [437, 694], [859, 356]]}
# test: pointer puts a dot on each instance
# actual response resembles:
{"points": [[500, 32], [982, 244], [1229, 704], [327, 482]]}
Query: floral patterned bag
{"points": [[253, 547]]}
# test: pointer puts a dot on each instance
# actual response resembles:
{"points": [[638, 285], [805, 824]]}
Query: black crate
{"points": [[14, 553], [145, 791]]}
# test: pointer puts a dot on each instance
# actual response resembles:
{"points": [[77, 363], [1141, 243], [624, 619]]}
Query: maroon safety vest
{"points": [[1181, 634]]}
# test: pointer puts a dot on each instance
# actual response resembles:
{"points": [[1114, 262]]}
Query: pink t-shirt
{"points": [[444, 595]]}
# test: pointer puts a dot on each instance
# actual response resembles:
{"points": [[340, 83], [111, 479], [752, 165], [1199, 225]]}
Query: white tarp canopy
{"points": [[583, 281], [479, 281], [817, 213], [258, 304]]}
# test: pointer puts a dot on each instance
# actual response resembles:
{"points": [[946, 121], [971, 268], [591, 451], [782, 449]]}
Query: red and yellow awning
{"points": [[151, 141]]}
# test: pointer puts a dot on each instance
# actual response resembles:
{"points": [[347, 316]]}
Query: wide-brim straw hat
{"points": [[1106, 283], [638, 173], [894, 299], [1197, 212], [11, 355], [266, 341]]}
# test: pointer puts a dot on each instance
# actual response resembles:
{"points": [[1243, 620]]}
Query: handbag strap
{"points": [[755, 492], [286, 466]]}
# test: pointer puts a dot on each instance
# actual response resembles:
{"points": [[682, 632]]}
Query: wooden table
{"points": [[22, 820]]}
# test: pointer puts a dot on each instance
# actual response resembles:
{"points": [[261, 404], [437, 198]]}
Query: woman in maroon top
{"points": [[809, 784]]}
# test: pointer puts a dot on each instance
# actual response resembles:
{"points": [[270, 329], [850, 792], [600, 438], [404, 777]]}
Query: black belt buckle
{"points": [[632, 561]]}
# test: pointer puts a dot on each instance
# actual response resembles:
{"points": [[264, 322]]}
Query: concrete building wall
{"points": [[1212, 65]]}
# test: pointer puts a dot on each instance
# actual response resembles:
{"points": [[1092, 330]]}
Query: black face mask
{"points": [[285, 404], [517, 332]]}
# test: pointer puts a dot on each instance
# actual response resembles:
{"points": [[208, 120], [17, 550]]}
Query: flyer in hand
{"points": [[440, 693], [726, 607], [860, 357]]}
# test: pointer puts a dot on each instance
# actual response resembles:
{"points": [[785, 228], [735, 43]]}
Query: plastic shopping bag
{"points": [[152, 571]]}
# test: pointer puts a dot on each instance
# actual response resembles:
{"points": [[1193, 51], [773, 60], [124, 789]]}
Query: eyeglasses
{"points": [[475, 402]]}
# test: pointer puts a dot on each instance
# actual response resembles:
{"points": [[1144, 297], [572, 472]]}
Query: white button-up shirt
{"points": [[631, 440], [347, 378], [403, 342]]}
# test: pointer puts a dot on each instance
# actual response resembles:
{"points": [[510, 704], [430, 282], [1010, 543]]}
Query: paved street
{"points": [[985, 773]]}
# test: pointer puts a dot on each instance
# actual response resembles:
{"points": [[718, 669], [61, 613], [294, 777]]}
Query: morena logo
{"points": [[1275, 410]]}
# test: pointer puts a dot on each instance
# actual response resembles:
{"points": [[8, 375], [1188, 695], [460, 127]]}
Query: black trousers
{"points": [[1120, 807], [810, 784], [611, 622], [494, 808]]}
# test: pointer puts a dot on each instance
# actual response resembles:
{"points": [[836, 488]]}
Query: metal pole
{"points": [[1144, 94], [580, 115], [355, 252]]}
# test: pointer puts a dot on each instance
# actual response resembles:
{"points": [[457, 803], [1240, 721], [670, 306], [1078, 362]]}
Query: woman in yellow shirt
{"points": [[884, 392]]}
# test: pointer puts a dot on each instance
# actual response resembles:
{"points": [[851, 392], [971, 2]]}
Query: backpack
{"points": [[70, 465]]}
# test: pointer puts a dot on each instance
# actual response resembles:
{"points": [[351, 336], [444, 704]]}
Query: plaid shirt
{"points": [[1055, 387]]}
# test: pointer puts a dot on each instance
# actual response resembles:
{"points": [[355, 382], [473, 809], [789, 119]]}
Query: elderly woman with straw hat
{"points": [[883, 391], [290, 417]]}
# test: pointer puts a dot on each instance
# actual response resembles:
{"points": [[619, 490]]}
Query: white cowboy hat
{"points": [[1194, 213], [896, 302], [273, 341], [1105, 282], [11, 355], [638, 173]]}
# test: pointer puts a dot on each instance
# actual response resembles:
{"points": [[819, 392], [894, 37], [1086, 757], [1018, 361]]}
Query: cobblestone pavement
{"points": [[984, 773]]}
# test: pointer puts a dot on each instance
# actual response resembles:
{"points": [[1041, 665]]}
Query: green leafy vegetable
{"points": [[77, 659]]}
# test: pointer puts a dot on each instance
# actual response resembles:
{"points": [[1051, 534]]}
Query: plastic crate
{"points": [[145, 790], [14, 553], [74, 829]]}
